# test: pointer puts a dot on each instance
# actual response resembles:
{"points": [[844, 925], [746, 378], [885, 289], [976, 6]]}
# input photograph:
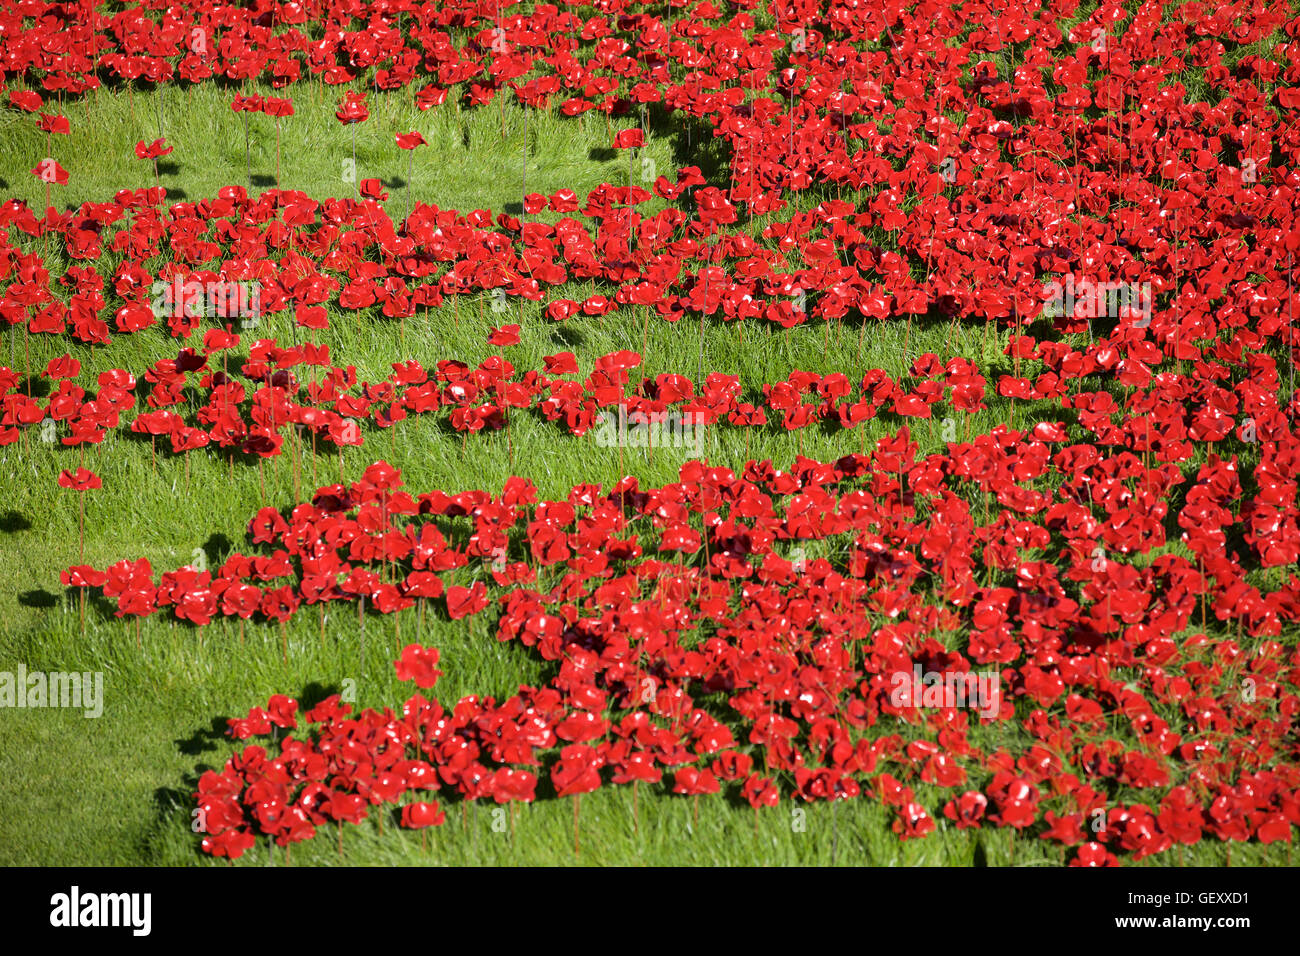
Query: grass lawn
{"points": [[116, 790]]}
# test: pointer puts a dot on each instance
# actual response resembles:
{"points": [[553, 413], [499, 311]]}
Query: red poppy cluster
{"points": [[681, 638], [945, 161], [288, 392]]}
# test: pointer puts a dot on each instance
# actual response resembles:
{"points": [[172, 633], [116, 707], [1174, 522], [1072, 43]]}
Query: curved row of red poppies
{"points": [[286, 389], [707, 656], [1209, 190]]}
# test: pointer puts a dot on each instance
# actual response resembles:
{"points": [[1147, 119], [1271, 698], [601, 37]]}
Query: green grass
{"points": [[115, 791]]}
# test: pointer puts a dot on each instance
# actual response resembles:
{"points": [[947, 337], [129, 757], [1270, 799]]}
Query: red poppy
{"points": [[506, 335], [352, 109], [418, 664], [80, 480], [154, 150], [417, 816]]}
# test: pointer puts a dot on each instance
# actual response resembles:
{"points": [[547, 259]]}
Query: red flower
{"points": [[49, 171], [418, 664], [562, 363], [629, 138], [578, 770], [693, 781], [28, 100], [967, 810], [1094, 854], [462, 602], [353, 108], [913, 821], [153, 150], [409, 140], [272, 106], [54, 124], [81, 480], [65, 366], [417, 816], [760, 792], [581, 726], [504, 336]]}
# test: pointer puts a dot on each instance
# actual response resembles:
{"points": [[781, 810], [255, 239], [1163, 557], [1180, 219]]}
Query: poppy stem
{"points": [[510, 443], [636, 824], [576, 849], [835, 829], [340, 839]]}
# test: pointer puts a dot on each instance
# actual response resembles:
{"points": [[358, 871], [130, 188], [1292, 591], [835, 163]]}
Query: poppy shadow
{"points": [[204, 739], [601, 154], [395, 182], [315, 692], [101, 605], [263, 180], [568, 336], [981, 857], [216, 548], [695, 145], [37, 597], [34, 385], [12, 522], [514, 208], [168, 169]]}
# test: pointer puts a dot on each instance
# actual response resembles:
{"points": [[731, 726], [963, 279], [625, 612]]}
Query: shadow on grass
{"points": [[37, 597], [12, 522]]}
